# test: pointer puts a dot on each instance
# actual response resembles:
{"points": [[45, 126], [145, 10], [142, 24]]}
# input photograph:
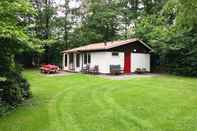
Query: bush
{"points": [[5, 108], [14, 91]]}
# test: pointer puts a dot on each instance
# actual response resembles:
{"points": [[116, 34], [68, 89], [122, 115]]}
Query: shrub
{"points": [[14, 91]]}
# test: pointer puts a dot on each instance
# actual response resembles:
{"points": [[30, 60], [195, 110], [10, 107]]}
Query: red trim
{"points": [[127, 61]]}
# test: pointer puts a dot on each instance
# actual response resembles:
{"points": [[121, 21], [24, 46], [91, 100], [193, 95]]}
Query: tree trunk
{"points": [[66, 23]]}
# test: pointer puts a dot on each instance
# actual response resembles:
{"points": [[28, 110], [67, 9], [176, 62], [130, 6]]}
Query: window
{"points": [[89, 58], [71, 58], [65, 60], [85, 58], [78, 60], [115, 54]]}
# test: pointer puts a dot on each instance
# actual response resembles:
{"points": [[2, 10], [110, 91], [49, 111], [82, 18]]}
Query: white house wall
{"points": [[140, 60], [63, 63], [101, 59], [116, 60], [105, 59]]}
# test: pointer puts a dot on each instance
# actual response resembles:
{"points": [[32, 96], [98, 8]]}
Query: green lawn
{"points": [[89, 103]]}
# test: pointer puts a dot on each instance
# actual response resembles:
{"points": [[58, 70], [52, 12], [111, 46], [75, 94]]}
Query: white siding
{"points": [[105, 59], [63, 66], [117, 60], [101, 59], [140, 60]]}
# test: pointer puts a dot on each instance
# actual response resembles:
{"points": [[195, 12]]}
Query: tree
{"points": [[173, 36], [14, 15], [129, 11], [100, 23]]}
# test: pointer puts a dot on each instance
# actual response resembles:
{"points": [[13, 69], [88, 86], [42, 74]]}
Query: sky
{"points": [[72, 4]]}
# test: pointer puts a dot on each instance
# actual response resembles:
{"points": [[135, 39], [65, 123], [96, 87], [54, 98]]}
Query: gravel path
{"points": [[60, 73], [126, 77]]}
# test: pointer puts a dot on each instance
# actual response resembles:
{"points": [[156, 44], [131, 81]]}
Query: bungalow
{"points": [[129, 54]]}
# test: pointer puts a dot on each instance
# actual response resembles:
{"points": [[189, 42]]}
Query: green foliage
{"points": [[102, 22], [152, 6], [173, 36], [52, 53], [13, 39], [14, 91], [181, 57]]}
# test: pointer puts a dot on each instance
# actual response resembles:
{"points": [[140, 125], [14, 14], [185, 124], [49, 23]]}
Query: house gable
{"points": [[135, 47]]}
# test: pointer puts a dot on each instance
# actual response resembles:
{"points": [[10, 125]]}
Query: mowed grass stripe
{"points": [[89, 103], [106, 107]]}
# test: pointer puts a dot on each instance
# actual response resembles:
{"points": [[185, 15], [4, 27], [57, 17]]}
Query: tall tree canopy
{"points": [[172, 33]]}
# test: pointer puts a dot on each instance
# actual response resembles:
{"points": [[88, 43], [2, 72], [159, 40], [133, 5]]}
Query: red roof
{"points": [[105, 46]]}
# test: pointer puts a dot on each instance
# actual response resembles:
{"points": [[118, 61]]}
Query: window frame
{"points": [[115, 53], [71, 58], [89, 58], [77, 60], [65, 60], [85, 60]]}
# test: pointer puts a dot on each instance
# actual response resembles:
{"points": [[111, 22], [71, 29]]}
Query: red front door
{"points": [[127, 62]]}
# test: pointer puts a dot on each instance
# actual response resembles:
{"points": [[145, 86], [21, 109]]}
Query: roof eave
{"points": [[107, 48], [147, 46]]}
